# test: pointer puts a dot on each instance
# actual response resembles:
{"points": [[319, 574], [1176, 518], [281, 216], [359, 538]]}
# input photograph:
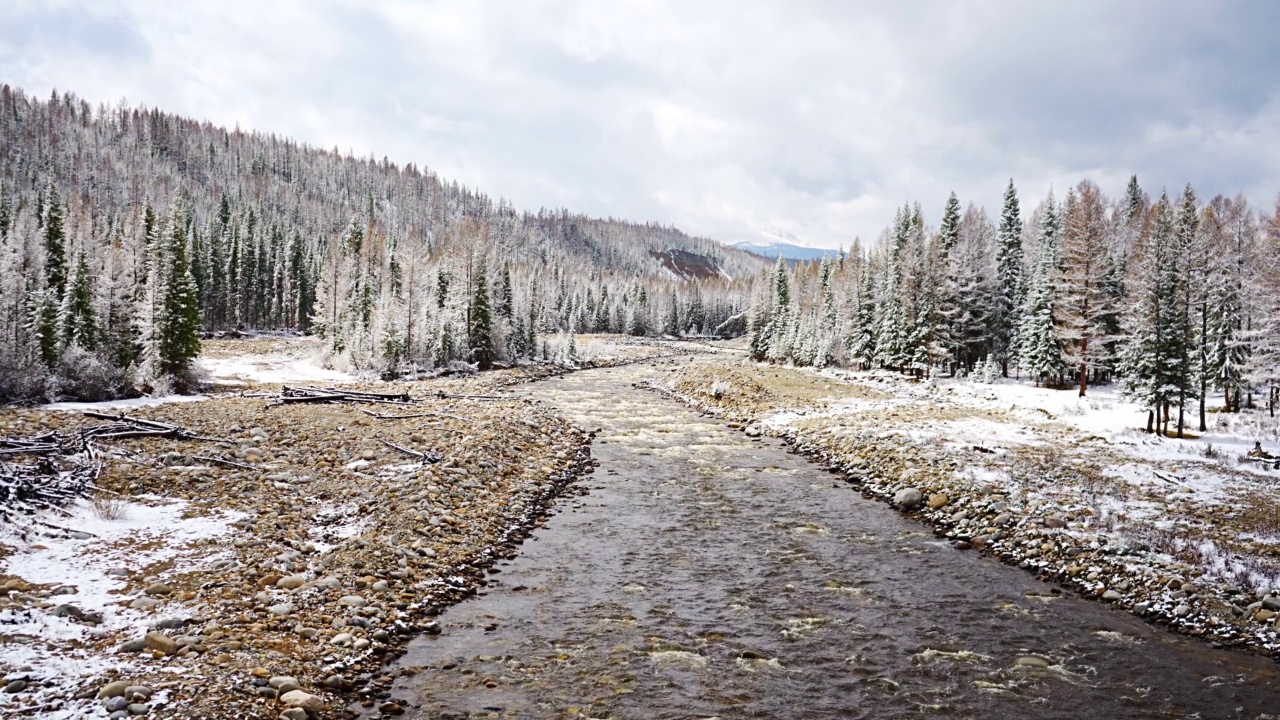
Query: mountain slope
{"points": [[383, 259]]}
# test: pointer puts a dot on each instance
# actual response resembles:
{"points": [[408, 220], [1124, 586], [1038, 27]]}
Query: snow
{"points": [[273, 369], [146, 533], [122, 404]]}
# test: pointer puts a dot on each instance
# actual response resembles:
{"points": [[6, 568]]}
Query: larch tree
{"points": [[1086, 303]]}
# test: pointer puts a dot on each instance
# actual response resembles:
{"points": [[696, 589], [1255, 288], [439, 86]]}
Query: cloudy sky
{"points": [[727, 118]]}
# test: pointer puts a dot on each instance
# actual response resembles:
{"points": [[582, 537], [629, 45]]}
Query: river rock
{"points": [[291, 582], [352, 601], [303, 700], [938, 500], [296, 713], [908, 498], [1111, 596], [113, 689], [284, 683], [15, 686], [1032, 661], [115, 704], [161, 643]]}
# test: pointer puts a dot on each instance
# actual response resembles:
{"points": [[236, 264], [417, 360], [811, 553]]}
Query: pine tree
{"points": [[76, 321], [1039, 347], [1191, 262], [480, 320], [1153, 357], [1009, 283], [177, 334]]}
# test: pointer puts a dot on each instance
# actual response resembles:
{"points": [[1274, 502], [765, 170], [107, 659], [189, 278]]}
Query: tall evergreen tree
{"points": [[1009, 283], [480, 320]]}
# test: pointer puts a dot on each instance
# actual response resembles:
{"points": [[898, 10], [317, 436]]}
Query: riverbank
{"points": [[279, 563], [1173, 534]]}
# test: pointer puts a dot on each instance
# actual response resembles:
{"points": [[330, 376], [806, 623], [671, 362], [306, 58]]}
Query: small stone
{"points": [[281, 610], [160, 642], [303, 700], [159, 590], [260, 672], [284, 684], [341, 639], [291, 582], [334, 682], [1182, 611], [15, 686], [390, 708], [938, 500], [115, 704], [1032, 661], [139, 709], [113, 689], [908, 498], [1111, 596], [1055, 522], [137, 693], [962, 545], [1264, 615], [352, 601], [1002, 519], [1271, 602], [294, 714], [144, 603]]}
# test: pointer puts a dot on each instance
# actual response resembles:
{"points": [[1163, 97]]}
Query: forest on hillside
{"points": [[1176, 298], [126, 232]]}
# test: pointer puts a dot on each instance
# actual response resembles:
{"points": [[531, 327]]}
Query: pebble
{"points": [[113, 689], [15, 686], [139, 709], [1111, 596], [352, 601], [284, 683], [291, 582], [938, 501], [296, 713], [115, 704], [160, 643], [1033, 661], [281, 610]]}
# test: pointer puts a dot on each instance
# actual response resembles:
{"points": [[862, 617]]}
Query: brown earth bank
{"points": [[1042, 515]]}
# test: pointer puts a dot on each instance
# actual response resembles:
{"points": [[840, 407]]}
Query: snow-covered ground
{"points": [[277, 368], [1192, 497], [72, 595]]}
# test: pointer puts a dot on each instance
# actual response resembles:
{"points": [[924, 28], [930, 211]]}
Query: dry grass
{"points": [[109, 506]]}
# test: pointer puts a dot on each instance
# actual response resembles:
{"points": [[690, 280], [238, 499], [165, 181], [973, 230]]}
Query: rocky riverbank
{"points": [[272, 573], [1038, 495]]}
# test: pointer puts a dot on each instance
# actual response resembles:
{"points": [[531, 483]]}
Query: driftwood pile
{"points": [[330, 395], [65, 466]]}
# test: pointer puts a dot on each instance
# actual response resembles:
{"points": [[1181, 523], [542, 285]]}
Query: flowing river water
{"points": [[707, 574]]}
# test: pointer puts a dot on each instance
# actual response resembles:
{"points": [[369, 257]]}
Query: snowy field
{"points": [[1200, 499]]}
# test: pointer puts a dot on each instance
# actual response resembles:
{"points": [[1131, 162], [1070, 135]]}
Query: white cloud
{"points": [[723, 118]]}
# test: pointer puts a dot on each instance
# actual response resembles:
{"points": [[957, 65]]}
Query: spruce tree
{"points": [[1009, 283], [178, 322], [480, 320], [77, 323]]}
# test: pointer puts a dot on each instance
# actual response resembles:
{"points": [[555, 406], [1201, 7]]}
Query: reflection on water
{"points": [[706, 575]]}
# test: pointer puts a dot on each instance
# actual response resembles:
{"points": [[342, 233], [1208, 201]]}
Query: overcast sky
{"points": [[726, 118]]}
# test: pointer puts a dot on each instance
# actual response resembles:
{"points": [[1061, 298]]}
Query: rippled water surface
{"points": [[709, 575]]}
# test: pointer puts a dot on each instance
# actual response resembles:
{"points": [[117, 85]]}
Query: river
{"points": [[707, 574]]}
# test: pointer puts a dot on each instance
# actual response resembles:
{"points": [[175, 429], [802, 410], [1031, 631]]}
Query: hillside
{"points": [[384, 260]]}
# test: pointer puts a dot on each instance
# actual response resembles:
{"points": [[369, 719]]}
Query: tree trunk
{"points": [[1151, 421], [1182, 408]]}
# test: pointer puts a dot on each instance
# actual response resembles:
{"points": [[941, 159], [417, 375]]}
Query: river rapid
{"points": [[708, 574]]}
